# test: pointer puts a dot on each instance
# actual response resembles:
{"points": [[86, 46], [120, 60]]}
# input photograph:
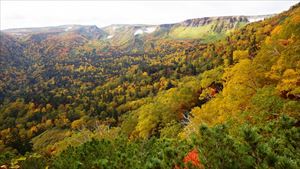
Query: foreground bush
{"points": [[272, 145]]}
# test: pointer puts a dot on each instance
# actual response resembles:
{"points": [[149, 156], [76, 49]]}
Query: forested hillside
{"points": [[77, 97]]}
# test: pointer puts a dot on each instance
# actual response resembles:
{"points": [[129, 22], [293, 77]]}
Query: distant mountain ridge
{"points": [[107, 31], [90, 31], [124, 37]]}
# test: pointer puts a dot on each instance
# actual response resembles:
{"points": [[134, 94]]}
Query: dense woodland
{"points": [[230, 103]]}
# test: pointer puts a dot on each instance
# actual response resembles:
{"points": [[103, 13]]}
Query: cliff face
{"points": [[208, 20]]}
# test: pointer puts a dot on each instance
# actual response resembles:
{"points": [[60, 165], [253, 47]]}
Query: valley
{"points": [[224, 89]]}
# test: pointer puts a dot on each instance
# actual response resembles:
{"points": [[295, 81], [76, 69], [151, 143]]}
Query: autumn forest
{"points": [[204, 93]]}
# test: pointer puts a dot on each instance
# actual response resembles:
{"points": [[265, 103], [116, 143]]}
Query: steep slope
{"points": [[11, 50], [263, 82], [13, 64]]}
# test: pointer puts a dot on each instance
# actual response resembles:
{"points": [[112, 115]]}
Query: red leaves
{"points": [[193, 158]]}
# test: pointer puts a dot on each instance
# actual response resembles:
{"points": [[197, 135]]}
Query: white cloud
{"points": [[16, 14]]}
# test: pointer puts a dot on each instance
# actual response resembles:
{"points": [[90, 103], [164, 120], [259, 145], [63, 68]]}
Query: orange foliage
{"points": [[213, 91], [193, 158]]}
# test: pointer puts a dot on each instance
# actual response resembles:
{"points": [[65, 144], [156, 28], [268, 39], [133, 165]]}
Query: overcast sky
{"points": [[17, 14]]}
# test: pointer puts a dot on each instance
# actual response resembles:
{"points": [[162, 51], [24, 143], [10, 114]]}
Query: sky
{"points": [[20, 14]]}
